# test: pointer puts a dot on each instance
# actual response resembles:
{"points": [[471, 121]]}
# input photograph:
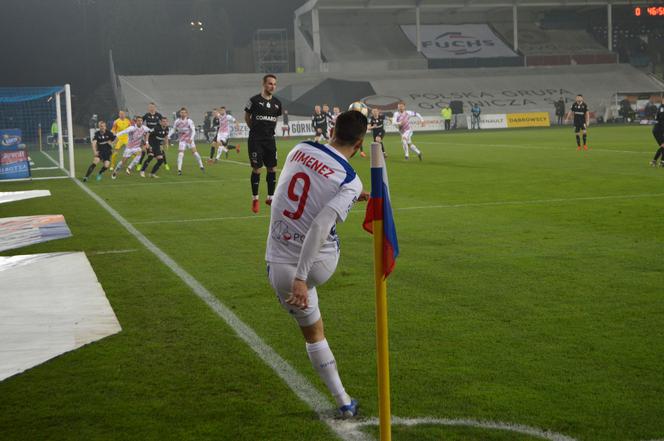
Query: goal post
{"points": [[36, 133]]}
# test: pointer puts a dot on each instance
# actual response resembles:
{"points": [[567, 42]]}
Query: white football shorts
{"points": [[131, 151], [281, 277], [184, 145], [222, 137]]}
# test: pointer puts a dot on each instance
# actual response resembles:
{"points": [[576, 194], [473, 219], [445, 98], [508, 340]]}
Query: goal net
{"points": [[36, 133]]}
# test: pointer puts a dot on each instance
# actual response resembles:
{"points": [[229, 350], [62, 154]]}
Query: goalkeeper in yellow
{"points": [[119, 125]]}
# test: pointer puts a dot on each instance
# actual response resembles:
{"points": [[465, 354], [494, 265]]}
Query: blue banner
{"points": [[14, 162]]}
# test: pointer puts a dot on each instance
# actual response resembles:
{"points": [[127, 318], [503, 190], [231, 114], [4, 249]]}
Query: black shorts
{"points": [[658, 133], [104, 153], [155, 150], [377, 133], [262, 152], [579, 125]]}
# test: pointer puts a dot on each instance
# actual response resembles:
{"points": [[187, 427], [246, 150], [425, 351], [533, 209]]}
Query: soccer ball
{"points": [[359, 107]]}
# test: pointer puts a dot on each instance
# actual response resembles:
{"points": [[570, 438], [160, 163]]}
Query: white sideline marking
{"points": [[202, 219], [428, 207], [346, 430], [150, 181], [295, 381], [535, 201], [529, 147], [468, 422], [99, 253]]}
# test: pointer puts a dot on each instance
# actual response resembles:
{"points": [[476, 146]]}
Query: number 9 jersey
{"points": [[314, 176]]}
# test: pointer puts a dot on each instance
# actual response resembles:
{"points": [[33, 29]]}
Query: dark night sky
{"points": [[49, 42]]}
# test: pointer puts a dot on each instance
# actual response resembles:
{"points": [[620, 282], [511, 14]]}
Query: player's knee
{"points": [[315, 332]]}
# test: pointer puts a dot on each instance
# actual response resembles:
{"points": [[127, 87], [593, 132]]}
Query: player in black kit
{"points": [[581, 121], [319, 123], [260, 114], [156, 139], [377, 126], [658, 133], [103, 150], [150, 120]]}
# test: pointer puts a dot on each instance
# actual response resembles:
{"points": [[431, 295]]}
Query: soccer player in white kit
{"points": [[185, 129], [137, 139], [401, 119], [224, 132], [316, 189]]}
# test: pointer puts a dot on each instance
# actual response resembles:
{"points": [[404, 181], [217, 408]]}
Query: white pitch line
{"points": [[535, 201], [295, 381], [149, 181], [99, 253], [346, 430], [469, 422], [426, 207], [202, 219], [528, 147]]}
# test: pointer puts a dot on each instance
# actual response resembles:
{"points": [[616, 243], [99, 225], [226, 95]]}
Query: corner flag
{"points": [[379, 209], [379, 222]]}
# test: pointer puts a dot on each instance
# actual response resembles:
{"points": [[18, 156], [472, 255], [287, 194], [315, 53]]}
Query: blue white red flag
{"points": [[380, 209]]}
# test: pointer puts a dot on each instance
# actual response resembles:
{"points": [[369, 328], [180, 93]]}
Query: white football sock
{"points": [[222, 149], [198, 158], [134, 162], [404, 145], [415, 149], [323, 361], [180, 157]]}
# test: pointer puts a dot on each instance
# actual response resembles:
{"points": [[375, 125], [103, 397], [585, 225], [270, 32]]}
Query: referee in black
{"points": [[260, 114], [581, 121]]}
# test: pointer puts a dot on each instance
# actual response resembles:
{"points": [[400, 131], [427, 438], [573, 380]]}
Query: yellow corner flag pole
{"points": [[383, 354]]}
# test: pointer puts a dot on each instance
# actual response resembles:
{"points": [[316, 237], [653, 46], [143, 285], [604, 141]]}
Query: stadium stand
{"points": [[346, 51], [542, 46], [498, 90]]}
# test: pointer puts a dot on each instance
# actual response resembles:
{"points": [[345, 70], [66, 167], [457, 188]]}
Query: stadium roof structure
{"points": [[437, 4], [316, 7]]}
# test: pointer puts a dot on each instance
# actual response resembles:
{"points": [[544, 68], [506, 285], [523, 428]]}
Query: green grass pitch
{"points": [[529, 290]]}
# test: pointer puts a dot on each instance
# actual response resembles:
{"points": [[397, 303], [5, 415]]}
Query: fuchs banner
{"points": [[14, 161], [459, 41]]}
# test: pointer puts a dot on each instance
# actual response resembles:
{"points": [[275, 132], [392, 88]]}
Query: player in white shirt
{"points": [[186, 131], [316, 189], [401, 119], [224, 132], [136, 142]]}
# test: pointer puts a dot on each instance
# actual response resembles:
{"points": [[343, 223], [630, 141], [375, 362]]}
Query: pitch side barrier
{"points": [[299, 128]]}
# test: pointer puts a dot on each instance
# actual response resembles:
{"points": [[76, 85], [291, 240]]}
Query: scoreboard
{"points": [[648, 11]]}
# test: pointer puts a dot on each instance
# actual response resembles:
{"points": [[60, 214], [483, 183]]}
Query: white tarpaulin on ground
{"points": [[12, 196], [49, 304], [459, 41], [21, 231]]}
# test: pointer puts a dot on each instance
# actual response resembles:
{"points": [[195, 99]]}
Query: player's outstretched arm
{"points": [[126, 131]]}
